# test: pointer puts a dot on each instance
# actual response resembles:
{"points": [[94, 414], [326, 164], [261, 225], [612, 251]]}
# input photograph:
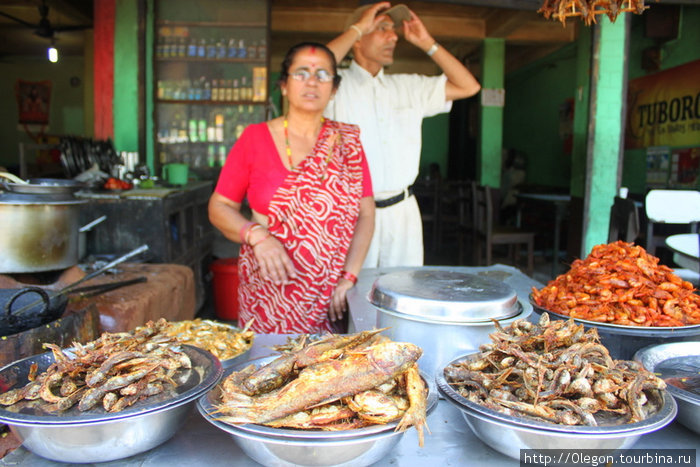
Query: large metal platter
{"points": [[661, 418], [644, 331], [206, 371], [444, 296], [677, 363], [46, 186], [207, 407]]}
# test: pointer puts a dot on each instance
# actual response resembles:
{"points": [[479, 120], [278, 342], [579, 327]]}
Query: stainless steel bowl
{"points": [[508, 435], [678, 363], [623, 341], [287, 447], [96, 436]]}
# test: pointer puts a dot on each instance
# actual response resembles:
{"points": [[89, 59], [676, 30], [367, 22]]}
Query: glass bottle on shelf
{"points": [[211, 48], [235, 92], [232, 51], [253, 50], [202, 48], [221, 49], [192, 47], [262, 49], [202, 128], [182, 131], [242, 50], [182, 47], [214, 90], [193, 125], [228, 92], [206, 89]]}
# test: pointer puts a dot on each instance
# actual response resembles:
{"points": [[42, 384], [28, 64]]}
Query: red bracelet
{"points": [[349, 276], [253, 245], [244, 230]]}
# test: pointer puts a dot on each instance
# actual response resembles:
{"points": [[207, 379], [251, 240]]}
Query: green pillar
{"points": [[581, 107], [126, 72], [492, 84], [604, 158], [148, 83]]}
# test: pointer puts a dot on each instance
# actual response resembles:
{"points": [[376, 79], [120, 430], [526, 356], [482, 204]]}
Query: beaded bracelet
{"points": [[349, 276], [244, 230], [260, 240], [247, 234]]}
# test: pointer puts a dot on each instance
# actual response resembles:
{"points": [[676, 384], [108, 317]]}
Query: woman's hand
{"points": [[275, 264], [339, 303]]}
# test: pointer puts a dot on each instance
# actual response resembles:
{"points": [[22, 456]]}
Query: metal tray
{"points": [[678, 363], [661, 418], [646, 331], [206, 371], [207, 406]]}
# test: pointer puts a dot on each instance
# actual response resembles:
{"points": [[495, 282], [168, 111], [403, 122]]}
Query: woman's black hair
{"points": [[291, 53]]}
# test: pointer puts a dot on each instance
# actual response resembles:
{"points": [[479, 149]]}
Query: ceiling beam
{"points": [[502, 23]]}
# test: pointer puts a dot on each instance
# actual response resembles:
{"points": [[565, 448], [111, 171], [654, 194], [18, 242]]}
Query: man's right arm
{"points": [[342, 44]]}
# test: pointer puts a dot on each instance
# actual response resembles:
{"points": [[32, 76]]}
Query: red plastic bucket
{"points": [[225, 288]]}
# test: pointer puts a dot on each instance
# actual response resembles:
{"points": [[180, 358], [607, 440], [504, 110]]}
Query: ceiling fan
{"points": [[44, 28]]}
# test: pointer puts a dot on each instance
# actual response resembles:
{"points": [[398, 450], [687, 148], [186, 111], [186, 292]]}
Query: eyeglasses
{"points": [[323, 76]]}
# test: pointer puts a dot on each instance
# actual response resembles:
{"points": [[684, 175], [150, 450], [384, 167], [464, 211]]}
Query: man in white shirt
{"points": [[389, 108]]}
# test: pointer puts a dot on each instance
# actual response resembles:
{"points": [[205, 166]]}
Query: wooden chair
{"points": [[624, 221], [456, 219], [488, 234]]}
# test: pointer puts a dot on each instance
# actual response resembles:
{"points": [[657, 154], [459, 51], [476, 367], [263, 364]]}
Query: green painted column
{"points": [[492, 84], [581, 107], [126, 72], [150, 98], [604, 158]]}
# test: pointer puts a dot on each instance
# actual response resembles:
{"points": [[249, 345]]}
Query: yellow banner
{"points": [[663, 109]]}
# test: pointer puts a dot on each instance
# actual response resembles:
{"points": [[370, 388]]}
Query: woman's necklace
{"points": [[286, 141]]}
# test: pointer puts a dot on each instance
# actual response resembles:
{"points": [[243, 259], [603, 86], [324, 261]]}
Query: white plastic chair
{"points": [[672, 207]]}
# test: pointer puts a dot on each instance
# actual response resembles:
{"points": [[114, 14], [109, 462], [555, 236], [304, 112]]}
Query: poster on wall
{"points": [[663, 109], [33, 101]]}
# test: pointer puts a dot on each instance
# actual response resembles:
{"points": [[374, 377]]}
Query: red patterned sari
{"points": [[313, 214]]}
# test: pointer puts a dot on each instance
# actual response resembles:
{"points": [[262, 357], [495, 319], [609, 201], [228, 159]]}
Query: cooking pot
{"points": [[38, 231], [446, 313], [48, 309]]}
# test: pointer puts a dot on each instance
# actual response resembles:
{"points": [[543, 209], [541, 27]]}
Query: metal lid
{"points": [[444, 295]]}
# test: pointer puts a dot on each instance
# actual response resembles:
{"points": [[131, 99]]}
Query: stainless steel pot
{"points": [[37, 232], [446, 313]]}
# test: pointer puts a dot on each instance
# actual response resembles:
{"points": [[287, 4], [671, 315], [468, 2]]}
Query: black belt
{"points": [[385, 203]]}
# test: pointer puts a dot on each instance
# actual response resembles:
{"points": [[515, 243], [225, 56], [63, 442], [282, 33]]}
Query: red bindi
{"points": [[313, 49]]}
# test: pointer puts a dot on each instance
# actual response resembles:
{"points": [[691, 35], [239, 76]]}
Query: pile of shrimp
{"points": [[620, 283]]}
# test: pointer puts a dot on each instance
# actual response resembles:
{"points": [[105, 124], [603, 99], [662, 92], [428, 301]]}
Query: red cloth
{"points": [[254, 167], [313, 214]]}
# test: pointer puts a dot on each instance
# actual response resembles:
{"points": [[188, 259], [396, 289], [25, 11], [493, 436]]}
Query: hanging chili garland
{"points": [[588, 10]]}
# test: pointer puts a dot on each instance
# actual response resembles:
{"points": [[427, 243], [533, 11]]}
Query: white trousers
{"points": [[398, 235]]}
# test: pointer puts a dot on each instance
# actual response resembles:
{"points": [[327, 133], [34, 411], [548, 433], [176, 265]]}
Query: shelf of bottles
{"points": [[211, 78]]}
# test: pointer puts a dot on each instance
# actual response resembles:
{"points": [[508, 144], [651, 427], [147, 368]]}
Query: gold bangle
{"points": [[359, 31]]}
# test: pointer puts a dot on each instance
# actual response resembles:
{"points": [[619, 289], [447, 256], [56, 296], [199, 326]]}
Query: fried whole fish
{"points": [[319, 384]]}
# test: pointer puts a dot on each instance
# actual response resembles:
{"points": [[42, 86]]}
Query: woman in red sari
{"points": [[307, 183]]}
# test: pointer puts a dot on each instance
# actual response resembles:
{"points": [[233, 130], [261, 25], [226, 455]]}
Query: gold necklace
{"points": [[286, 141]]}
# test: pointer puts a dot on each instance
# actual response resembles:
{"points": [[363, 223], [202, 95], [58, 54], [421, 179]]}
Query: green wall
{"points": [[66, 115], [436, 140], [531, 122], [534, 93], [685, 48]]}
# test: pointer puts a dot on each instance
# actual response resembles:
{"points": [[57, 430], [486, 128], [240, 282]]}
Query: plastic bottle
{"points": [[202, 48], [193, 132]]}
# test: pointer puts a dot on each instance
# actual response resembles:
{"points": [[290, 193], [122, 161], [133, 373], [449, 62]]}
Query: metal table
{"points": [[451, 441], [686, 250]]}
